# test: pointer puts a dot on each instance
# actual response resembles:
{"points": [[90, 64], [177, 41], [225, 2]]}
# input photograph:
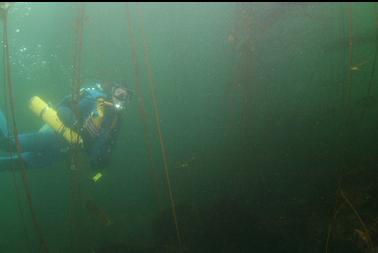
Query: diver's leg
{"points": [[7, 163], [11, 162], [30, 160], [45, 139], [3, 126], [42, 141], [5, 143], [28, 142]]}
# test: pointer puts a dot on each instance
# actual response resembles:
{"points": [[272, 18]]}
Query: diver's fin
{"points": [[3, 126]]}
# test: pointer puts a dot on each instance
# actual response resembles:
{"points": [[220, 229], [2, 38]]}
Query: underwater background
{"points": [[253, 128]]}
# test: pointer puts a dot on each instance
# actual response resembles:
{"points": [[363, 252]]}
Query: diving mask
{"points": [[120, 96]]}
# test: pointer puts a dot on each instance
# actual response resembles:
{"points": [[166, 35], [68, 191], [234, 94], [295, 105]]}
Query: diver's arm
{"points": [[64, 111], [99, 153], [66, 102], [93, 123], [66, 115], [99, 112], [98, 136]]}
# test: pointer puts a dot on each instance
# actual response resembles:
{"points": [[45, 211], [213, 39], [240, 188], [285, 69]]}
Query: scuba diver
{"points": [[93, 124]]}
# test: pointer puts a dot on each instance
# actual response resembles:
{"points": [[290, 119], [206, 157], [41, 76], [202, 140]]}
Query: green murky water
{"points": [[267, 114]]}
